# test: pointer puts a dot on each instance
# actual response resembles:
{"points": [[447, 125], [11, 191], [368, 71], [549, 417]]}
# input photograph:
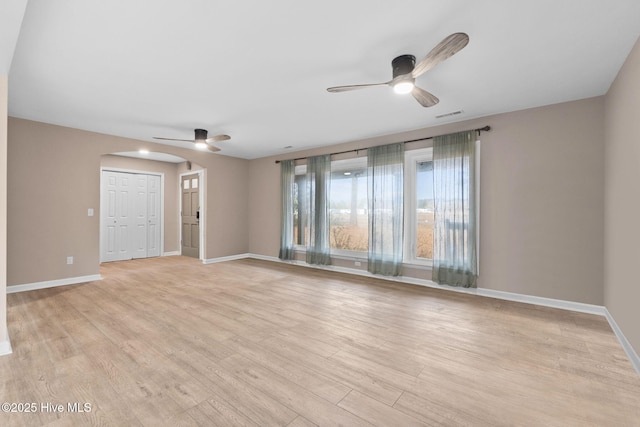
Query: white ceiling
{"points": [[11, 13], [258, 70], [151, 155]]}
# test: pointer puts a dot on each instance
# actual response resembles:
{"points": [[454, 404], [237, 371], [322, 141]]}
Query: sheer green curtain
{"points": [[287, 175], [318, 190], [385, 168], [455, 260]]}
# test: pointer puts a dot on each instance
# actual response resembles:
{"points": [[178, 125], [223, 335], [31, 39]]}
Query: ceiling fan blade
{"points": [[173, 139], [218, 138], [212, 148], [445, 49], [354, 87], [423, 97]]}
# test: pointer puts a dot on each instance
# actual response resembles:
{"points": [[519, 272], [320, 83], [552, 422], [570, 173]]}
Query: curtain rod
{"points": [[482, 129]]}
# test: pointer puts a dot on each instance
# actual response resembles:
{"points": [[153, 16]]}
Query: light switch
{"points": [[90, 212]]}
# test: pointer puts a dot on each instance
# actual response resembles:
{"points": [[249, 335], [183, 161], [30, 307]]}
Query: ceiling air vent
{"points": [[453, 113]]}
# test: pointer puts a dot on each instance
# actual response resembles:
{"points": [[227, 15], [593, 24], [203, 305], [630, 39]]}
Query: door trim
{"points": [[139, 172], [203, 209]]}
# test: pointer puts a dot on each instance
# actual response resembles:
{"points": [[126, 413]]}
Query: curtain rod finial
{"points": [[484, 129]]}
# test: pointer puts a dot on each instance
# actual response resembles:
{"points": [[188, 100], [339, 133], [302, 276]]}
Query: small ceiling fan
{"points": [[201, 141], [405, 70]]}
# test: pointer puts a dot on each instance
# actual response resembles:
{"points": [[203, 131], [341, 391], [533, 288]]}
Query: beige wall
{"points": [[225, 197], [543, 221], [54, 177], [227, 202], [622, 181], [171, 233], [4, 92], [542, 215]]}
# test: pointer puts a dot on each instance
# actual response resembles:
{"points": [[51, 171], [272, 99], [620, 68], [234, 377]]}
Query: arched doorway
{"points": [[166, 168]]}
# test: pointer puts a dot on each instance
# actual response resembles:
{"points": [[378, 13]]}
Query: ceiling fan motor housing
{"points": [[403, 64], [201, 134]]}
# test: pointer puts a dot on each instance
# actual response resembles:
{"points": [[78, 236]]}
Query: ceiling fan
{"points": [[201, 141], [405, 70]]}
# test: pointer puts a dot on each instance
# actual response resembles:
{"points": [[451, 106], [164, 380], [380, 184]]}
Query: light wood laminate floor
{"points": [[170, 341]]}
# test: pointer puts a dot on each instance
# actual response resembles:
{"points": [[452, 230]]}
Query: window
{"points": [[424, 209], [300, 206], [419, 206], [348, 205]]}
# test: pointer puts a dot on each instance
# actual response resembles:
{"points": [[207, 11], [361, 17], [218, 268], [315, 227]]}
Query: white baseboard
{"points": [[490, 293], [626, 345], [267, 258], [226, 258], [5, 346], [546, 302], [52, 283], [509, 296], [172, 253]]}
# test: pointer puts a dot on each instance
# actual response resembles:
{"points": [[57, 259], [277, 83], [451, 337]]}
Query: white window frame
{"points": [[478, 147], [300, 170], [411, 159], [344, 165]]}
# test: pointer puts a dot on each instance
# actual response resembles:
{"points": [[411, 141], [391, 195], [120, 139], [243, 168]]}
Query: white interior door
{"points": [[139, 228], [153, 215], [130, 216], [116, 195]]}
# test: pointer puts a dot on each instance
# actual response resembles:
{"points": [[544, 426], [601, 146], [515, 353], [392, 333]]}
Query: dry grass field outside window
{"points": [[424, 241], [350, 237]]}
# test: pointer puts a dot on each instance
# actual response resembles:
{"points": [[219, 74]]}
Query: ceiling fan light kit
{"points": [[201, 141], [402, 66], [403, 87], [405, 70]]}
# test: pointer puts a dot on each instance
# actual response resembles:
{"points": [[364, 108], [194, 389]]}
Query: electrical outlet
{"points": [[357, 263], [69, 260]]}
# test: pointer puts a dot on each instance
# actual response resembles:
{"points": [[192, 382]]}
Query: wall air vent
{"points": [[453, 113]]}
